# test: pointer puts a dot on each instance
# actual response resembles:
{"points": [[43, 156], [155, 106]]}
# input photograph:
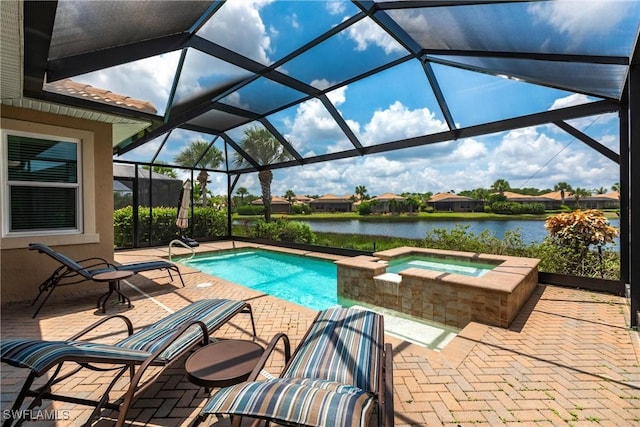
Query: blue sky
{"points": [[398, 103]]}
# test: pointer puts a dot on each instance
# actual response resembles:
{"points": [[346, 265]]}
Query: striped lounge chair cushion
{"points": [[343, 345], [304, 402], [40, 356], [212, 312]]}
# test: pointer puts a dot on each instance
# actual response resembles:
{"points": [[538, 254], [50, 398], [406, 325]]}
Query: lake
{"points": [[532, 231]]}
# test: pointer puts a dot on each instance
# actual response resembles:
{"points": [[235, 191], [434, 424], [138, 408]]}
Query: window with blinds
{"points": [[43, 184]]}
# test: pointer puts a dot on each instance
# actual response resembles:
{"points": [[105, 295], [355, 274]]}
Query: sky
{"points": [[397, 103]]}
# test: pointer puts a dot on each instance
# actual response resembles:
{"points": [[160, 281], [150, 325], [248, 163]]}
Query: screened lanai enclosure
{"points": [[336, 82]]}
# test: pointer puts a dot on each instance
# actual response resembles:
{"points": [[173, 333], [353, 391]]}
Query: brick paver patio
{"points": [[569, 357]]}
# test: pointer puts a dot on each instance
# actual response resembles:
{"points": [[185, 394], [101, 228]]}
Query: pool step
{"points": [[389, 282]]}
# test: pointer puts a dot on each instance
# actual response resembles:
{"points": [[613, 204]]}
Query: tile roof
{"points": [[275, 200], [438, 197], [388, 196], [81, 90], [333, 198]]}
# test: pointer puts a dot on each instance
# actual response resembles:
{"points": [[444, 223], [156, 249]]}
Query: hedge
{"points": [[207, 223]]}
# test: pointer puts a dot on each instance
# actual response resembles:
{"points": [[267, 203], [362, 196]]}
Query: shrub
{"points": [[302, 209], [460, 238], [207, 222], [514, 208], [574, 234], [554, 257], [364, 208], [251, 210], [284, 231]]}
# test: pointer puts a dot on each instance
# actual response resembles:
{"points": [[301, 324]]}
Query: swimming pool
{"points": [[310, 282]]}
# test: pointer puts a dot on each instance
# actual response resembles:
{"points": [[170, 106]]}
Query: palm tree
{"points": [[500, 186], [289, 195], [616, 187], [563, 188], [361, 191], [162, 169], [600, 190], [265, 149], [579, 193], [242, 191], [198, 154]]}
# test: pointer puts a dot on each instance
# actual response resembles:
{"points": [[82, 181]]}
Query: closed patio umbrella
{"points": [[182, 221]]}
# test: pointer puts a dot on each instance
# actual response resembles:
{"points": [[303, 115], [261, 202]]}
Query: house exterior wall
{"points": [[322, 206], [22, 270], [458, 206]]}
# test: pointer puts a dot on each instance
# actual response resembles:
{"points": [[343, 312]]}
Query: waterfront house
{"points": [[278, 204], [454, 203], [514, 197], [387, 203], [332, 203]]}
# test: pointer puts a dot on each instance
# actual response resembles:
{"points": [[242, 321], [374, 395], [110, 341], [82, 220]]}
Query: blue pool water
{"points": [[310, 282], [466, 268]]}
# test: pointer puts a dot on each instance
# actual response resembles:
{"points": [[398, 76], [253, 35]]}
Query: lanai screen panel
{"points": [[88, 26]]}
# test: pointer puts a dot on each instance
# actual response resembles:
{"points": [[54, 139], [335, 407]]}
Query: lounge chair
{"points": [[340, 374], [160, 344], [72, 272]]}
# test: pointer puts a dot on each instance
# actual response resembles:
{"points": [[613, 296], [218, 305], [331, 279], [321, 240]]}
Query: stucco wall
{"points": [[21, 270]]}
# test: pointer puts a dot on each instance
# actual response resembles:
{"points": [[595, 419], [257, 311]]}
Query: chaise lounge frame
{"points": [[311, 359], [160, 344], [72, 272]]}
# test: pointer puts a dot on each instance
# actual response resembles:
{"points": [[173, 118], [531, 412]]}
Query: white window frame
{"points": [[85, 231]]}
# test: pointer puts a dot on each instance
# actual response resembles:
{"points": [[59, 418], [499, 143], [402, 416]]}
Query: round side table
{"points": [[223, 363], [113, 278]]}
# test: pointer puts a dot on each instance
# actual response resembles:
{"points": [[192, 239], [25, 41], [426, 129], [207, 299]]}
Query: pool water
{"points": [[310, 282], [466, 268]]}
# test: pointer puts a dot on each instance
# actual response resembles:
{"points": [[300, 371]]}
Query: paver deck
{"points": [[569, 357]]}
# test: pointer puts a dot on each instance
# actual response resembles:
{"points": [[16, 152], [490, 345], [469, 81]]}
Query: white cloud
{"points": [[580, 19], [399, 122], [469, 149], [569, 101], [335, 7], [366, 32], [239, 27], [312, 127]]}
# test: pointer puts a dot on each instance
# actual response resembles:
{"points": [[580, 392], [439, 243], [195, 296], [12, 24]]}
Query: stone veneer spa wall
{"points": [[445, 298]]}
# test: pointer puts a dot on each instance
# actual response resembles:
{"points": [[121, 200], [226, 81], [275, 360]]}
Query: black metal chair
{"points": [[72, 272]]}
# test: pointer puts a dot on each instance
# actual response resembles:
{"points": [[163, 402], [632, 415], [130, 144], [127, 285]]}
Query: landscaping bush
{"points": [[284, 231], [251, 210], [460, 238], [302, 209], [514, 208], [556, 255], [207, 222], [575, 235], [364, 208]]}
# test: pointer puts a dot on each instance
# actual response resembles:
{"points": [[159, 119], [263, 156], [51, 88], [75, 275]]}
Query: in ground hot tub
{"points": [[448, 287]]}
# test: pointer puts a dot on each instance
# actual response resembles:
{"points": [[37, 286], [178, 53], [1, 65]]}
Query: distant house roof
{"points": [[388, 196], [70, 88], [557, 195], [275, 200], [302, 199], [448, 197], [331, 198], [517, 197], [614, 195]]}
